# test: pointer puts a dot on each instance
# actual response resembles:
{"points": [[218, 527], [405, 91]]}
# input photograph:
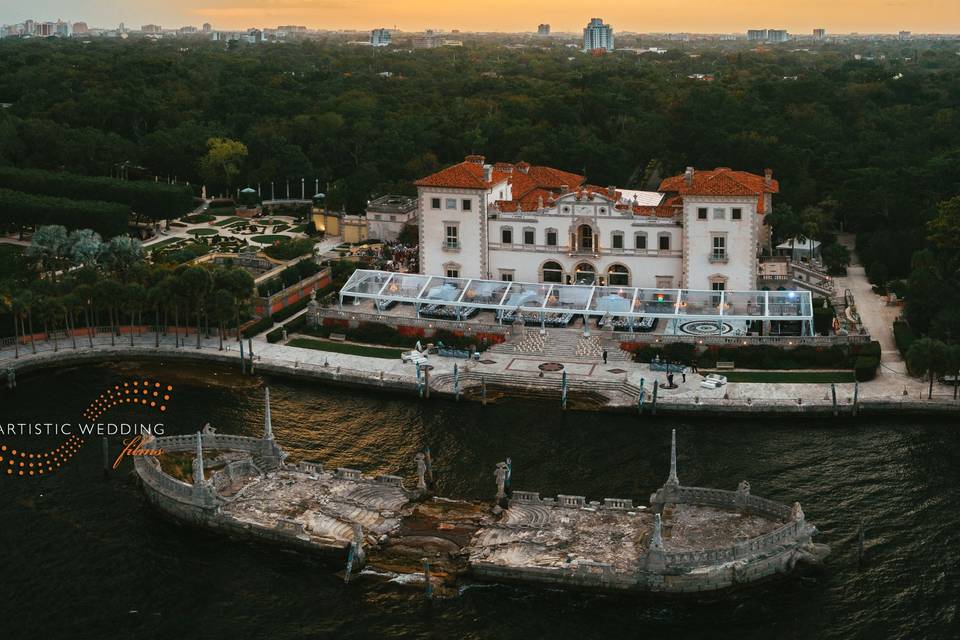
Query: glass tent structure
{"points": [[459, 298]]}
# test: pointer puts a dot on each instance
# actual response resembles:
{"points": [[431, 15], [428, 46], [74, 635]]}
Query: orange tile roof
{"points": [[528, 182], [722, 181]]}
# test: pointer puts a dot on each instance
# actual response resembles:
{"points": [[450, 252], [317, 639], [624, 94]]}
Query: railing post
{"points": [[563, 391], [653, 405], [641, 397], [243, 360], [833, 390], [483, 391], [456, 381], [856, 397]]}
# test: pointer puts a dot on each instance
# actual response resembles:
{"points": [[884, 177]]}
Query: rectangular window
{"points": [[506, 276], [529, 236], [451, 203], [452, 237], [718, 286], [664, 243], [453, 273], [719, 214], [434, 203], [506, 235], [617, 241], [467, 205], [736, 213], [551, 238], [701, 213], [640, 241], [719, 247]]}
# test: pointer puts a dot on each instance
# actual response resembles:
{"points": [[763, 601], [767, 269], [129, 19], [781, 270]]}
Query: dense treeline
{"points": [[156, 201], [869, 145], [19, 209]]}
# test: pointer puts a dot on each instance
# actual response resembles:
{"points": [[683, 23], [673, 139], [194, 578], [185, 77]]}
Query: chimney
{"points": [[540, 203], [487, 173], [612, 192], [475, 159], [564, 188], [768, 177], [523, 167], [688, 176]]}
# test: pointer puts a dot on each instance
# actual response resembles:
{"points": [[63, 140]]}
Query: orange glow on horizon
{"points": [[642, 16]]}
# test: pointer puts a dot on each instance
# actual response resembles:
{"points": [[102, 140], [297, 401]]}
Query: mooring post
{"points": [[563, 391], [856, 397], [456, 382], [351, 553], [250, 349], [243, 359], [506, 484], [429, 460], [641, 398], [426, 382], [11, 378], [653, 404], [833, 390], [106, 456], [419, 380], [426, 577], [483, 391]]}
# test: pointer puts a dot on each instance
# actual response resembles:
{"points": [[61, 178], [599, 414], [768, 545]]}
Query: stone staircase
{"points": [[563, 345]]}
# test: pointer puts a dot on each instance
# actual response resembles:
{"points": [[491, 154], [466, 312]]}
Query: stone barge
{"points": [[689, 539]]}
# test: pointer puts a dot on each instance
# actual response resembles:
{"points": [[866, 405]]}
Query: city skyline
{"points": [[645, 16]]}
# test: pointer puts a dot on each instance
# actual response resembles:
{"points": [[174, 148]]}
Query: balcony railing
{"points": [[719, 256], [450, 245]]}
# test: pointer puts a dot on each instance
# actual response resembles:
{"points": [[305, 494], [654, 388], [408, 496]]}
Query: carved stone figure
{"points": [[743, 488], [501, 475], [208, 430], [421, 471], [656, 538], [796, 513]]}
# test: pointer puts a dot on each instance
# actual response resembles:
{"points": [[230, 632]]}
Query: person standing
{"points": [[604, 356]]}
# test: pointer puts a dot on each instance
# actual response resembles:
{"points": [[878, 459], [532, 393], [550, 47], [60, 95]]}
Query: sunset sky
{"points": [[798, 16]]}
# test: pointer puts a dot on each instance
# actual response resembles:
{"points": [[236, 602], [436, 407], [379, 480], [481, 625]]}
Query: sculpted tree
{"points": [[927, 355]]}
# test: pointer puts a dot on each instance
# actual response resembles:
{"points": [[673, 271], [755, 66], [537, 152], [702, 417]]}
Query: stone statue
{"points": [[421, 471], [743, 488], [796, 513], [656, 538], [501, 475], [208, 430]]}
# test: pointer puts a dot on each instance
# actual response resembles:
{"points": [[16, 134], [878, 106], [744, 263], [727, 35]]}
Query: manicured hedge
{"points": [[259, 326], [865, 367], [288, 311], [275, 336], [109, 219], [760, 356], [155, 200], [904, 337]]}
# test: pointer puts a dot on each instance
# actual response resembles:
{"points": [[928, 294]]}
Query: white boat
{"points": [[713, 381]]}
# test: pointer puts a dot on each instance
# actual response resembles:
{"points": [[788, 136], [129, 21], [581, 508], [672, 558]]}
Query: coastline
{"points": [[618, 395]]}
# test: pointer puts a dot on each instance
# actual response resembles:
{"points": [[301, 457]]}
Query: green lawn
{"points": [[270, 239], [344, 347], [300, 228], [203, 232], [797, 377], [228, 221]]}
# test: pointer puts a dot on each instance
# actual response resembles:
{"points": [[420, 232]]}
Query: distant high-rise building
{"points": [[597, 35], [380, 37], [767, 35], [207, 27], [150, 28], [80, 27], [543, 30], [187, 29], [819, 34], [903, 35], [427, 41]]}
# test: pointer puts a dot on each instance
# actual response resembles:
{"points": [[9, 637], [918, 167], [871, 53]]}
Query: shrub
{"points": [[865, 367], [904, 337], [258, 327], [275, 336], [290, 250], [197, 218], [289, 310], [680, 352]]}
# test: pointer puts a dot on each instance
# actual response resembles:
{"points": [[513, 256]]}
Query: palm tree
{"points": [[25, 302], [196, 284], [927, 355], [70, 304], [222, 307], [109, 293], [7, 300], [953, 365], [134, 298], [156, 295]]}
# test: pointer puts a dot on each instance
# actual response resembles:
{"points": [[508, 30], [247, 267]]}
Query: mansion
{"points": [[701, 230]]}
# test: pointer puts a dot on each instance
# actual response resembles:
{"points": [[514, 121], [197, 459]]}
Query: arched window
{"points": [[618, 276], [640, 240], [585, 273], [551, 272]]}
